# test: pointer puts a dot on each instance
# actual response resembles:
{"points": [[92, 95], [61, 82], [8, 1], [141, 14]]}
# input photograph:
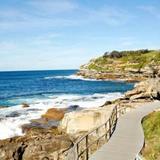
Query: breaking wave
{"points": [[74, 77], [12, 118]]}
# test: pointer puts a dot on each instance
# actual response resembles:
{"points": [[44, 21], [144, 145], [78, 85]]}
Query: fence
{"points": [[90, 142]]}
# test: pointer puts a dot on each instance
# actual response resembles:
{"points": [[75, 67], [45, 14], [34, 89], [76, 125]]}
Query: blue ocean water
{"points": [[17, 86], [46, 89]]}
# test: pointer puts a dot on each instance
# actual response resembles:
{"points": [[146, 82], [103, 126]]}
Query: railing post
{"points": [[97, 132], [116, 113], [77, 151], [106, 131], [87, 149], [110, 127]]}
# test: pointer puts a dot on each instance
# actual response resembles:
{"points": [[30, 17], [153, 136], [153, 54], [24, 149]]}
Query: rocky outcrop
{"points": [[101, 75], [129, 66], [84, 120], [35, 145], [145, 89], [40, 123], [53, 114]]}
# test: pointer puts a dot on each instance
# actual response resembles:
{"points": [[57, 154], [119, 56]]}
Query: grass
{"points": [[151, 126], [129, 60]]}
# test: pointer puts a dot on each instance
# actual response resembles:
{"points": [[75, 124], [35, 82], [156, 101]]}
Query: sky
{"points": [[64, 34]]}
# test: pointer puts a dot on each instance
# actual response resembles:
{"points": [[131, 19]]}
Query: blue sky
{"points": [[63, 34]]}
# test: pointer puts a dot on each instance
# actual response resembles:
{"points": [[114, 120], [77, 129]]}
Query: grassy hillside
{"points": [[124, 61], [151, 126]]}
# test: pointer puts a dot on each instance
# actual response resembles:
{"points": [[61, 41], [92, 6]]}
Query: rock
{"points": [[26, 127], [25, 105], [84, 120], [145, 89], [33, 109], [36, 145], [73, 107], [138, 96], [41, 124], [2, 107], [53, 114], [13, 114], [106, 103]]}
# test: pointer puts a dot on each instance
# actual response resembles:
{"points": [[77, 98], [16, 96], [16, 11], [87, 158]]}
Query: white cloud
{"points": [[37, 13], [55, 13], [39, 37]]}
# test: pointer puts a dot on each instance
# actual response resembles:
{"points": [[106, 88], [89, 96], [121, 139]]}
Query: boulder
{"points": [[149, 88], [53, 114], [85, 120]]}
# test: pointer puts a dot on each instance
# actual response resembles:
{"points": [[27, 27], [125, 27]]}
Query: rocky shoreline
{"points": [[130, 66], [47, 141], [100, 75]]}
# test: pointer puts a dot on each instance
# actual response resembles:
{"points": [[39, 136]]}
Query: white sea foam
{"points": [[74, 77], [11, 126]]}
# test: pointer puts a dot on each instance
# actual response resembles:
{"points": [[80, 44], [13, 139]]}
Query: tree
{"points": [[115, 54]]}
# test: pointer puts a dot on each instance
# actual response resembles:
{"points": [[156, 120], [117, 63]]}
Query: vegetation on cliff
{"points": [[124, 60], [127, 65], [151, 126]]}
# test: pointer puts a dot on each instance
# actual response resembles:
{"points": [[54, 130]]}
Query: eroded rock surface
{"points": [[85, 120], [37, 144], [145, 89], [53, 114]]}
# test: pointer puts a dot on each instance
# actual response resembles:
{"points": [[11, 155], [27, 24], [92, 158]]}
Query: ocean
{"points": [[45, 89]]}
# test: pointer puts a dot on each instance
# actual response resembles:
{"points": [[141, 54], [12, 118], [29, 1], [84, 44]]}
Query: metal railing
{"points": [[91, 141]]}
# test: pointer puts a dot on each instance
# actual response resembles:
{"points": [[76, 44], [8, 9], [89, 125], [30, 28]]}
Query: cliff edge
{"points": [[124, 65]]}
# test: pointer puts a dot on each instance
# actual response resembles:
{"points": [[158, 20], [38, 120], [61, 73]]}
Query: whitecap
{"points": [[78, 77], [72, 77]]}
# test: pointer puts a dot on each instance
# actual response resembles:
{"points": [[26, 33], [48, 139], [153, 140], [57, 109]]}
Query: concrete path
{"points": [[128, 138]]}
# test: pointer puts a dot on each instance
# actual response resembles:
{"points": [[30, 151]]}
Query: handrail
{"points": [[82, 151]]}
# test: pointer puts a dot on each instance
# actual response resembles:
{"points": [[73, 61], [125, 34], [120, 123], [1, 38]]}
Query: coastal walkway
{"points": [[128, 137]]}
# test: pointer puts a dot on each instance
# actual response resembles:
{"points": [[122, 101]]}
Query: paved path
{"points": [[128, 138]]}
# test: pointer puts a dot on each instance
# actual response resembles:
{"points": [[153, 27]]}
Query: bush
{"points": [[106, 54], [119, 54], [115, 54]]}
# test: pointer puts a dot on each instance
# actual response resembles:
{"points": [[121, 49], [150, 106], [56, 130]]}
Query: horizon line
{"points": [[30, 70]]}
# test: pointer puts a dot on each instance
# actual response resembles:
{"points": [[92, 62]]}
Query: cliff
{"points": [[125, 65]]}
